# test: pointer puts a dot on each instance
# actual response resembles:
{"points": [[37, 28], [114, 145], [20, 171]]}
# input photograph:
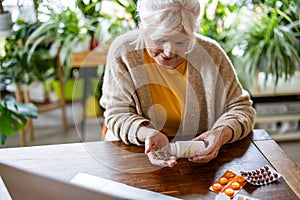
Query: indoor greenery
{"points": [[32, 50], [67, 27], [91, 11], [104, 26], [60, 33], [13, 116], [14, 69], [267, 45], [130, 8], [14, 62], [262, 37]]}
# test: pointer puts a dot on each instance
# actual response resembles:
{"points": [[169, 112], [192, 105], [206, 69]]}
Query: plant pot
{"points": [[37, 92], [74, 92], [92, 107], [73, 89], [268, 87], [5, 25]]}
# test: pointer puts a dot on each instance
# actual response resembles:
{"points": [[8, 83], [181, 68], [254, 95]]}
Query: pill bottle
{"points": [[185, 149]]}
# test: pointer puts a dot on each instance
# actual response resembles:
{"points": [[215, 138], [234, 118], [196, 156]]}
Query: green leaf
{"points": [[28, 110], [10, 121], [2, 138], [13, 116], [40, 31], [34, 46]]}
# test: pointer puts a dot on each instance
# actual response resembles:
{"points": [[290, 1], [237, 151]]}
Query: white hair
{"points": [[168, 17]]}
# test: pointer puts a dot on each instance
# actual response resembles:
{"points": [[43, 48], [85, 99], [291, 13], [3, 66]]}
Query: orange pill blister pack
{"points": [[229, 183]]}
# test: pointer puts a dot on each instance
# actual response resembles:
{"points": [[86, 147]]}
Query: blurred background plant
{"points": [[33, 49], [106, 19], [88, 21], [13, 116], [60, 34], [14, 69], [14, 62], [259, 36]]}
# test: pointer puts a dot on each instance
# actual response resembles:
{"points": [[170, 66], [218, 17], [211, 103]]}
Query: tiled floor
{"points": [[48, 130]]}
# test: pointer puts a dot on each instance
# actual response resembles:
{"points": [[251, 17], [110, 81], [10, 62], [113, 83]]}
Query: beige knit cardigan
{"points": [[214, 96]]}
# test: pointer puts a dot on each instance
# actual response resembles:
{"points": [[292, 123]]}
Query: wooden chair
{"points": [[88, 63], [84, 60], [22, 95]]}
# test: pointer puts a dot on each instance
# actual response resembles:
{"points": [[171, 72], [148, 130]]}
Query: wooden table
{"points": [[128, 164]]}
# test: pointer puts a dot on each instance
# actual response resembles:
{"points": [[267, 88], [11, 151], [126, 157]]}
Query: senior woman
{"points": [[164, 80]]}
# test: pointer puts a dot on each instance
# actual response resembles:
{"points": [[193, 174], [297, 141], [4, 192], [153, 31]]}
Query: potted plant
{"points": [[60, 33], [91, 11], [66, 28], [103, 25], [244, 25], [14, 62], [262, 43], [13, 114], [5, 19]]}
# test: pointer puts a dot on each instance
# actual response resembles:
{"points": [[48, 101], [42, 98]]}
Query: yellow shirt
{"points": [[167, 88]]}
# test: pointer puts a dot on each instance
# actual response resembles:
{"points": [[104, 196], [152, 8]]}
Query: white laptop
{"points": [[26, 185]]}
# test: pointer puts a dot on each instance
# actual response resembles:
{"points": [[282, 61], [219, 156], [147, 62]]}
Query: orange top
{"points": [[167, 88]]}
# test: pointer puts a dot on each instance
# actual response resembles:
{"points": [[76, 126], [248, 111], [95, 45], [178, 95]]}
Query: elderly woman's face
{"points": [[168, 51]]}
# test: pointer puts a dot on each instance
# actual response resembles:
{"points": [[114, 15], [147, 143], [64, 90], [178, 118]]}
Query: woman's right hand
{"points": [[152, 138], [155, 141], [171, 162]]}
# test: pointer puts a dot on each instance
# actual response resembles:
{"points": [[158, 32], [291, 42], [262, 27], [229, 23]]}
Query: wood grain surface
{"points": [[187, 180]]}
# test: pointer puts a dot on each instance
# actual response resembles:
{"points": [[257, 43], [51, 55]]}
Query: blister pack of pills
{"points": [[262, 176], [229, 184]]}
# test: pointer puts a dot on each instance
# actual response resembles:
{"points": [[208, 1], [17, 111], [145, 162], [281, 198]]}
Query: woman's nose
{"points": [[168, 50]]}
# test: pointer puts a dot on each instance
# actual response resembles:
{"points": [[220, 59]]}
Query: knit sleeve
{"points": [[238, 112], [119, 98]]}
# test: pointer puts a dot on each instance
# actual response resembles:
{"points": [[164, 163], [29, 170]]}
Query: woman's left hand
{"points": [[214, 140]]}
